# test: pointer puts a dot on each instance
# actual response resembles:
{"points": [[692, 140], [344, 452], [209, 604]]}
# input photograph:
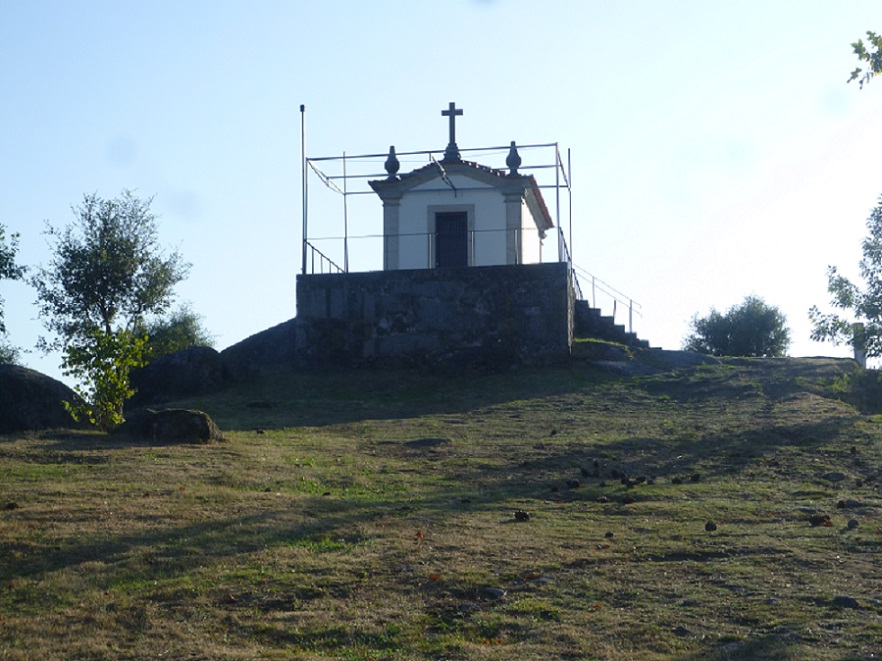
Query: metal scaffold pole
{"points": [[345, 218], [570, 201], [303, 185], [560, 251]]}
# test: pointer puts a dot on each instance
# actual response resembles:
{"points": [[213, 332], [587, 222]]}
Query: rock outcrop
{"points": [[169, 426], [32, 401], [186, 373], [270, 349]]}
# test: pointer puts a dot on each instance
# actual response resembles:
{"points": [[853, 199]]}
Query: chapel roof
{"points": [[491, 176]]}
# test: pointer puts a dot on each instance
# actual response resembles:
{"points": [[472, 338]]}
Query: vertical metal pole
{"points": [[303, 182], [345, 220], [570, 200], [593, 292], [519, 248], [630, 316], [557, 202]]}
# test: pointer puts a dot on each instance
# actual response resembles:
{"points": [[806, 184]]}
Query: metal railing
{"points": [[482, 248], [355, 171], [569, 260], [347, 176], [324, 261], [478, 255], [617, 297]]}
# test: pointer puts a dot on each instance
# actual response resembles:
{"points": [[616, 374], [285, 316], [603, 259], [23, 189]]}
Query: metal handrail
{"points": [[326, 264], [323, 260], [615, 294], [569, 260], [473, 244]]}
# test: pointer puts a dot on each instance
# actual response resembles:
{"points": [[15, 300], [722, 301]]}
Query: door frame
{"points": [[431, 230]]}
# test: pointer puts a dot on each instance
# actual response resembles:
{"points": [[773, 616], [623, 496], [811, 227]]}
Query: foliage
{"points": [[9, 271], [870, 54], [865, 305], [107, 274], [102, 362], [752, 329], [180, 329], [9, 355]]}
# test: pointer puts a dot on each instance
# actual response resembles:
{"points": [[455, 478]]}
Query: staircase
{"points": [[590, 322]]}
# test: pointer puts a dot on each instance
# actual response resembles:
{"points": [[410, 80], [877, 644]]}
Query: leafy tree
{"points": [[180, 329], [870, 54], [9, 270], [749, 329], [865, 305], [102, 361], [106, 276]]}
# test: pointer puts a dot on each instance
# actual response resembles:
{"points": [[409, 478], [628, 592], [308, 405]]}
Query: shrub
{"points": [[749, 329]]}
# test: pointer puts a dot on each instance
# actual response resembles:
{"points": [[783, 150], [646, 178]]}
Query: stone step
{"points": [[591, 322]]}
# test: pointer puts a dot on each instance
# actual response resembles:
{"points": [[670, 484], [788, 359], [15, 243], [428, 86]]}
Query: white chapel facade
{"points": [[454, 213]]}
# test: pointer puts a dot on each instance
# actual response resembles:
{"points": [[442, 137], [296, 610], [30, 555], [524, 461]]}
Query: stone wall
{"points": [[493, 315]]}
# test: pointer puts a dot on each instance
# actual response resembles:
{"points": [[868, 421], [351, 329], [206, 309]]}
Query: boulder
{"points": [[186, 373], [31, 401], [267, 350], [169, 426]]}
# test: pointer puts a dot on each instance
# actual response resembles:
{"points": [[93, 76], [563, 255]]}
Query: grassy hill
{"points": [[371, 515]]}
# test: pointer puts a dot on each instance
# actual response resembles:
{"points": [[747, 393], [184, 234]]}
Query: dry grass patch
{"points": [[371, 516]]}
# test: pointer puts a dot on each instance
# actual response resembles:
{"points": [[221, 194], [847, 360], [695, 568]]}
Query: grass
{"points": [[370, 515]]}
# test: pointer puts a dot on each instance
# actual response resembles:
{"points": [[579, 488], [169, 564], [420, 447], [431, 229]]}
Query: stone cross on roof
{"points": [[452, 151]]}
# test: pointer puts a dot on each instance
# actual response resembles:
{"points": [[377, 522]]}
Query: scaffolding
{"points": [[347, 176]]}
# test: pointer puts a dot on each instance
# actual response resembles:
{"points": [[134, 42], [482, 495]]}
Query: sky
{"points": [[717, 151]]}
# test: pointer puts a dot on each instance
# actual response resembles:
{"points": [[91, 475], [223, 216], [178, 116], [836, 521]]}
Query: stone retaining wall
{"points": [[497, 314]]}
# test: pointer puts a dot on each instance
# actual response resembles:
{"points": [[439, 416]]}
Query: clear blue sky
{"points": [[717, 150]]}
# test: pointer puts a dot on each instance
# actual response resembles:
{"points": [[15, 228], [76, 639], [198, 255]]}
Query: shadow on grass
{"points": [[861, 389], [176, 551], [740, 377], [71, 444], [395, 395], [548, 472], [770, 647], [286, 399], [311, 399], [727, 454]]}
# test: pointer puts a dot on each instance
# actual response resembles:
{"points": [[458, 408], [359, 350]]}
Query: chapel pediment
{"points": [[480, 216]]}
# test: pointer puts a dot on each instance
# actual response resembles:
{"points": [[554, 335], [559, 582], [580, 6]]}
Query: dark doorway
{"points": [[451, 239]]}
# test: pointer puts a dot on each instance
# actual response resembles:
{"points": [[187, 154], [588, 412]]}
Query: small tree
{"points": [[871, 55], [102, 361], [107, 274], [9, 270], [750, 329], [865, 305], [180, 329]]}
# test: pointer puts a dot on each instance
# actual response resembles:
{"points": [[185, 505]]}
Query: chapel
{"points": [[455, 213], [463, 279]]}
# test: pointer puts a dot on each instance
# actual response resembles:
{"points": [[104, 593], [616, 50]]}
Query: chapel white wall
{"points": [[531, 242], [487, 245]]}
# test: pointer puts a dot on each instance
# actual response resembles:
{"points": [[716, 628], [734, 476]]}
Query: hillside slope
{"points": [[550, 514]]}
